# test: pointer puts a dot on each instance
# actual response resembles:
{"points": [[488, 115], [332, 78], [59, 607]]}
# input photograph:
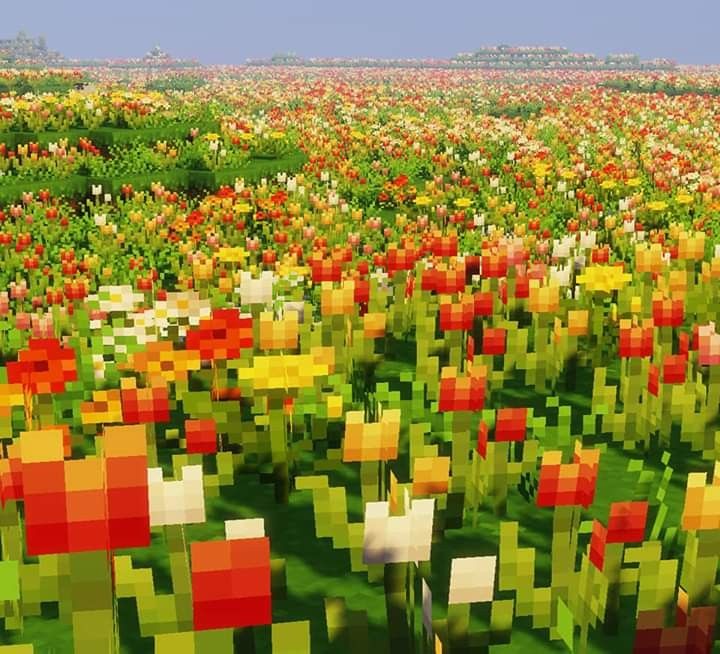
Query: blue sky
{"points": [[230, 31]]}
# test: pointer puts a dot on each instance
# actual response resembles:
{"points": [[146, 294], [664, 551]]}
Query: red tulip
{"points": [[231, 583], [45, 367]]}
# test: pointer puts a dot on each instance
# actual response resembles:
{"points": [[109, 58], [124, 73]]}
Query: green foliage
{"points": [[523, 111], [185, 84]]}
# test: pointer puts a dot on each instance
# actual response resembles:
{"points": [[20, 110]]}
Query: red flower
{"points": [[201, 436], [86, 504], [231, 583], [466, 393], [668, 313], [458, 316], [635, 341], [598, 540], [225, 192], [627, 522], [221, 336], [145, 405], [195, 218], [568, 484], [494, 341], [279, 198], [400, 181], [45, 367], [510, 424], [482, 439]]}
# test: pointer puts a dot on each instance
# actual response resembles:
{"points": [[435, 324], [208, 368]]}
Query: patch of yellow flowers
{"points": [[604, 278]]}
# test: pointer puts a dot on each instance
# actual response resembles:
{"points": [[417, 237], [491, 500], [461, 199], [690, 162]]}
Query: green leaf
{"points": [[9, 581], [565, 625], [585, 527], [635, 465]]}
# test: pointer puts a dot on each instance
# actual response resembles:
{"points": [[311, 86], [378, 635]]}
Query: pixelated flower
{"points": [[45, 367], [657, 206], [604, 278], [222, 336], [160, 360]]}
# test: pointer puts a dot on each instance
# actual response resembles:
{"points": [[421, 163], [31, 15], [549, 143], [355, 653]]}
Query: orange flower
{"points": [[160, 361]]}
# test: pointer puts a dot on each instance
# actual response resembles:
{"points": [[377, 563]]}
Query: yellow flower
{"points": [[243, 207], [232, 255], [463, 203], [277, 135], [608, 184], [568, 175], [657, 205], [422, 200], [211, 136], [684, 198], [356, 135], [604, 278], [634, 182], [288, 270], [290, 371], [541, 170]]}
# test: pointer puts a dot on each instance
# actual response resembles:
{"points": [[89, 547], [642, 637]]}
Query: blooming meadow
{"points": [[407, 361]]}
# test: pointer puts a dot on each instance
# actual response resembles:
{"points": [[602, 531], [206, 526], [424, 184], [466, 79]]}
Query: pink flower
{"points": [[708, 345], [22, 320], [42, 326]]}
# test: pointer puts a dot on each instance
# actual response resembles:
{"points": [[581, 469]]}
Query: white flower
{"points": [[561, 275], [116, 298], [256, 291], [561, 249], [176, 502], [398, 539], [472, 579], [588, 239], [98, 366]]}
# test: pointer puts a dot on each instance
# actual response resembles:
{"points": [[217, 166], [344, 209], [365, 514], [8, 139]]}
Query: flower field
{"points": [[353, 360]]}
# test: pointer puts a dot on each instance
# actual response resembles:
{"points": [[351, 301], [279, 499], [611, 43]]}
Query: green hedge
{"points": [[253, 171], [175, 179], [73, 186], [13, 139], [107, 136]]}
